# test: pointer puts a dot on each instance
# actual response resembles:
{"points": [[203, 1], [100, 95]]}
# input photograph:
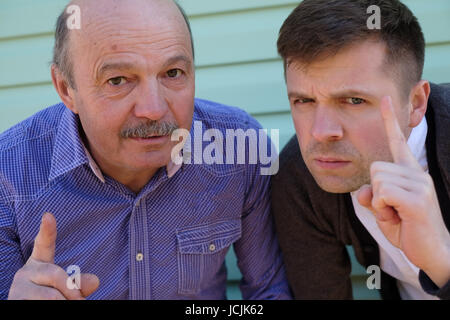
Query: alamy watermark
{"points": [[234, 146], [374, 21], [74, 19], [73, 281], [374, 280]]}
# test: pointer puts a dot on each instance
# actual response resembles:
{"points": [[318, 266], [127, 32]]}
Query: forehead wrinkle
{"points": [[155, 19], [126, 45], [134, 38], [98, 31]]}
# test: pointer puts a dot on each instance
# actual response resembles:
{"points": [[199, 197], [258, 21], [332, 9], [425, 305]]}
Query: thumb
{"points": [[89, 284], [365, 196], [44, 243]]}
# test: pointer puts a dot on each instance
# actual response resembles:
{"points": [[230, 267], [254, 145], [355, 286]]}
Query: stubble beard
{"points": [[339, 182]]}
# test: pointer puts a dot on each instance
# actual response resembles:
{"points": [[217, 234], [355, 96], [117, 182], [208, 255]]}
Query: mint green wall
{"points": [[236, 61]]}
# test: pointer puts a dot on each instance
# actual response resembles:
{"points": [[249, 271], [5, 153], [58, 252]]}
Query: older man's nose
{"points": [[151, 102], [326, 125]]}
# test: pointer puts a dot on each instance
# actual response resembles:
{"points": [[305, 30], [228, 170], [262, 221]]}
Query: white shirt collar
{"points": [[392, 260], [416, 143]]}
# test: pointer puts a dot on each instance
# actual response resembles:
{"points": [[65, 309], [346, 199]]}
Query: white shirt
{"points": [[392, 259]]}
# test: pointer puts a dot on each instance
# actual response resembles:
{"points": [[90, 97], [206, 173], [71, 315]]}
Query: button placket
{"points": [[139, 242]]}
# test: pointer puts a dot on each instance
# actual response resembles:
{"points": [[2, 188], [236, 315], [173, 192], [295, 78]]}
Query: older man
{"points": [[370, 166], [127, 220]]}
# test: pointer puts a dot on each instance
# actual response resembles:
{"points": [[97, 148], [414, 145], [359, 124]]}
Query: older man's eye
{"points": [[355, 101], [174, 73], [117, 81]]}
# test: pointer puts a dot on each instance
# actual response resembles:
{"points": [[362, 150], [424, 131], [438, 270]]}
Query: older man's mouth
{"points": [[330, 163], [151, 140]]}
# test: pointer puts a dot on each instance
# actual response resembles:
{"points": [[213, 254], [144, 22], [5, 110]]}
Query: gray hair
{"points": [[149, 128], [61, 56]]}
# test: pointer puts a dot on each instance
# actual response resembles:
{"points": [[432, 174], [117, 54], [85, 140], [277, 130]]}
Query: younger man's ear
{"points": [[64, 90], [419, 102]]}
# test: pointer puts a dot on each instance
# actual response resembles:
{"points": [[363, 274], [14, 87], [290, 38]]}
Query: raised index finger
{"points": [[45, 241], [397, 142]]}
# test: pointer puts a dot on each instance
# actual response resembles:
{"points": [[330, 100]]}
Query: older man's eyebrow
{"points": [[114, 66], [130, 66], [179, 58]]}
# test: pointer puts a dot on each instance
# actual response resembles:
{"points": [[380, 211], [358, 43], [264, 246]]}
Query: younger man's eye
{"points": [[303, 101], [355, 101]]}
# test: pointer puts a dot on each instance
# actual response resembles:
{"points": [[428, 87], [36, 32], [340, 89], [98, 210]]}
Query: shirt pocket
{"points": [[201, 252]]}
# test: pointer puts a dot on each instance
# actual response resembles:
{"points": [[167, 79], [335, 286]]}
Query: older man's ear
{"points": [[61, 85]]}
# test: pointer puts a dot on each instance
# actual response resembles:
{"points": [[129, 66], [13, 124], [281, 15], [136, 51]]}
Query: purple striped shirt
{"points": [[167, 242]]}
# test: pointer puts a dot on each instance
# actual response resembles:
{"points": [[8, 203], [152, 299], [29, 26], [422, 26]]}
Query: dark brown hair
{"points": [[321, 28]]}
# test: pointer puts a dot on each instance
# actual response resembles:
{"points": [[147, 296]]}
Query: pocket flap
{"points": [[208, 239]]}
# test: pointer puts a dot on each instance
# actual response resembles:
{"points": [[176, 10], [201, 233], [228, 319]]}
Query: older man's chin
{"points": [[150, 159]]}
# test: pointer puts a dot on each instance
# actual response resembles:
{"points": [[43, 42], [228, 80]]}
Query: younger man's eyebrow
{"points": [[352, 93], [334, 95], [297, 94]]}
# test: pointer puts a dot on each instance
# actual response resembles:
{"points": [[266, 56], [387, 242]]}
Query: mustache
{"points": [[149, 128], [332, 149]]}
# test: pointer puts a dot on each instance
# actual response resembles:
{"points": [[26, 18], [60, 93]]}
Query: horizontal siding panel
{"points": [[434, 18], [437, 63], [233, 291], [203, 7], [255, 87], [234, 274], [25, 61], [282, 122], [24, 17], [230, 38], [17, 104], [360, 290]]}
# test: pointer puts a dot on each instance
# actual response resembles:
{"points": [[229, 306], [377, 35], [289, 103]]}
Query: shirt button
{"points": [[212, 247], [139, 257]]}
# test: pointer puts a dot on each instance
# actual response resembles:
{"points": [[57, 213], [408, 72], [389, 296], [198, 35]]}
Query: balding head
{"points": [[92, 11], [133, 66]]}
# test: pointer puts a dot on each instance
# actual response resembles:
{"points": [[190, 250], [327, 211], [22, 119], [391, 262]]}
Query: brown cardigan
{"points": [[314, 226]]}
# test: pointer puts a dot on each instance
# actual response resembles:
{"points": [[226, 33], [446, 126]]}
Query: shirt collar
{"points": [[416, 143], [171, 167], [69, 151]]}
